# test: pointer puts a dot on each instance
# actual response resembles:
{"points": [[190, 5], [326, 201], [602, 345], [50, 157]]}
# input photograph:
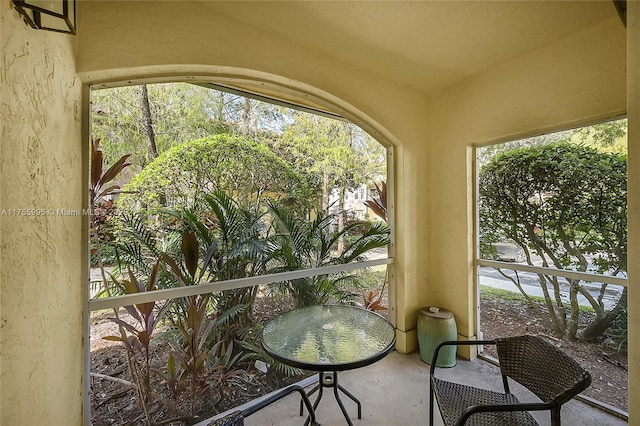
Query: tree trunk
{"points": [[147, 124], [325, 191], [219, 112], [149, 133], [246, 117], [341, 219], [553, 304], [602, 321], [571, 330]]}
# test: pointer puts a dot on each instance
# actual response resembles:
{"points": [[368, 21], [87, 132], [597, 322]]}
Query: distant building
{"points": [[354, 201]]}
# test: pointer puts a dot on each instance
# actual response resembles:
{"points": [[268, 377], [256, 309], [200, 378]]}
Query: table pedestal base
{"points": [[330, 380]]}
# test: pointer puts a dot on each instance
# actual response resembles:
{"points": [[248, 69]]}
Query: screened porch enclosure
{"points": [[433, 80]]}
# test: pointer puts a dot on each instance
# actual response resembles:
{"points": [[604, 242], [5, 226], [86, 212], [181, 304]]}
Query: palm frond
{"points": [[375, 236], [231, 313], [134, 229]]}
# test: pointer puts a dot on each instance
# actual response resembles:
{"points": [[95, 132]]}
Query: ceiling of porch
{"points": [[422, 46]]}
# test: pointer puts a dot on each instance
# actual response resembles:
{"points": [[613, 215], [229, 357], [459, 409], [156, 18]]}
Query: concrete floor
{"points": [[395, 391]]}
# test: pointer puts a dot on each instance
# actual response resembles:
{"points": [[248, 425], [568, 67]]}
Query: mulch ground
{"points": [[608, 367]]}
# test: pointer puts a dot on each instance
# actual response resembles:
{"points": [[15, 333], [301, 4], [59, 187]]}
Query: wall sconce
{"points": [[50, 15]]}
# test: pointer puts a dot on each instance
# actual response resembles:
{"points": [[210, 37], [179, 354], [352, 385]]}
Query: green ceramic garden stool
{"points": [[434, 327]]}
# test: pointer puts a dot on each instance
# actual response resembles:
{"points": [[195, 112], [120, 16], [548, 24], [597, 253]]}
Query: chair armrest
{"points": [[279, 395], [534, 406], [456, 343]]}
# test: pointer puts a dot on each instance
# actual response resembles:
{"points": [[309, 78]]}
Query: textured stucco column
{"points": [[575, 81], [40, 246]]}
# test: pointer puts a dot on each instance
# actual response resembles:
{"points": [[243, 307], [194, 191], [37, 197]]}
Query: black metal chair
{"points": [[236, 418], [545, 370]]}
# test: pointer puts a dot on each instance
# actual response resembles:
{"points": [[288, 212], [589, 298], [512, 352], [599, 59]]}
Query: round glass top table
{"points": [[328, 339]]}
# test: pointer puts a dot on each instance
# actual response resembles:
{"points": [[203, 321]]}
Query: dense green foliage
{"points": [[182, 175], [330, 153], [327, 154], [304, 244], [217, 332], [180, 112], [564, 204]]}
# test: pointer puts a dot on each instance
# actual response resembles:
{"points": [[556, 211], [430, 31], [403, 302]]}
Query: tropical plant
{"points": [[102, 209], [138, 245], [237, 234], [565, 204], [224, 241], [302, 244], [190, 318], [223, 371], [334, 156], [136, 337], [378, 205], [99, 179], [226, 244], [184, 174], [373, 299]]}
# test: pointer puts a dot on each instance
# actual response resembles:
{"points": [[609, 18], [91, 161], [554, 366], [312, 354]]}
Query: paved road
{"points": [[490, 277]]}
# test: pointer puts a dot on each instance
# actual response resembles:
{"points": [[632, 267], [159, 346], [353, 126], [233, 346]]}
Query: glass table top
{"points": [[328, 337]]}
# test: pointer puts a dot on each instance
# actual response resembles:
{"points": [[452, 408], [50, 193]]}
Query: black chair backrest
{"points": [[542, 368]]}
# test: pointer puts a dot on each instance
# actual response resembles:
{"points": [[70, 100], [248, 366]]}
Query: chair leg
{"points": [[431, 397], [555, 416]]}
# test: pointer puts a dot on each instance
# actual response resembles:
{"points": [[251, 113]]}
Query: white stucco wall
{"points": [[40, 269], [575, 81]]}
